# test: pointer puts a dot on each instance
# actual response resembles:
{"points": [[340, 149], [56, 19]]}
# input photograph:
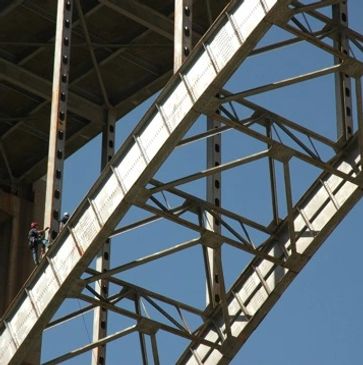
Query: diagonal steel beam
{"points": [[7, 163], [10, 7], [212, 170], [146, 16], [143, 260], [158, 325], [316, 42], [282, 120], [146, 292], [314, 6], [142, 64], [52, 40], [284, 83], [330, 22], [92, 53], [143, 15], [287, 149], [208, 206], [20, 122], [92, 345], [39, 86], [243, 246]]}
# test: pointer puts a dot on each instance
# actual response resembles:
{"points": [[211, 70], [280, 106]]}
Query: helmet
{"points": [[34, 224], [65, 218]]}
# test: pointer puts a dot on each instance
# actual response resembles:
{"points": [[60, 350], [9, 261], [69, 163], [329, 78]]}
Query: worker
{"points": [[37, 241], [64, 220]]}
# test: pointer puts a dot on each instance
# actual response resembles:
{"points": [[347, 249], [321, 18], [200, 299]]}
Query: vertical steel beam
{"points": [[289, 203], [358, 93], [212, 223], [141, 334], [182, 31], [343, 83], [154, 347], [103, 257], [108, 138], [213, 255], [57, 132], [273, 182], [213, 250]]}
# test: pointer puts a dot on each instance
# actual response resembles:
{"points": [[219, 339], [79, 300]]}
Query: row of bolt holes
{"points": [[186, 30], [216, 183], [62, 113], [347, 90]]}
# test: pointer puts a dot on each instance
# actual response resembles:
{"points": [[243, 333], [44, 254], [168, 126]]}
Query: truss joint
{"points": [[352, 67], [210, 239], [281, 153], [229, 347], [147, 326], [77, 288], [140, 198]]}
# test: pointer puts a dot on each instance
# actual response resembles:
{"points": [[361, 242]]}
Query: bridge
{"points": [[216, 179]]}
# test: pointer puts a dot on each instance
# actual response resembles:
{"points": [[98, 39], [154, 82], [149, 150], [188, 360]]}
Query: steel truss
{"points": [[275, 249]]}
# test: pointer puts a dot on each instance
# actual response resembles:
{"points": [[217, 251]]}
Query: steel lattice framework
{"points": [[191, 181]]}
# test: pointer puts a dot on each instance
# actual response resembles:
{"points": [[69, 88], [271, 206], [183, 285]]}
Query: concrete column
{"points": [[15, 256], [16, 263]]}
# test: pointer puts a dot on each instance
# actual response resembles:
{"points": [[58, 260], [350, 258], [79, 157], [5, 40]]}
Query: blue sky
{"points": [[318, 320]]}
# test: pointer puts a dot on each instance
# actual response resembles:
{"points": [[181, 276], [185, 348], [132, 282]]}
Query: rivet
{"points": [[55, 214], [62, 115]]}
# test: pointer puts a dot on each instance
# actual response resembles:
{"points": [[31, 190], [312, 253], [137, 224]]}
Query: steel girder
{"points": [[283, 245]]}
